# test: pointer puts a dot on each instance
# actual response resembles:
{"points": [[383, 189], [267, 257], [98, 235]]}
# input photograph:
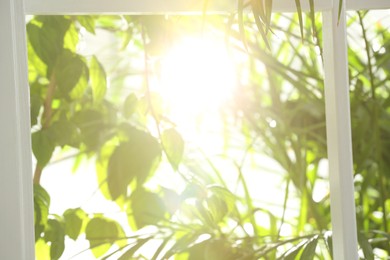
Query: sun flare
{"points": [[198, 75]]}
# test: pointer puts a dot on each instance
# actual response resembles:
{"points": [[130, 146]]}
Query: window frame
{"points": [[16, 196]]}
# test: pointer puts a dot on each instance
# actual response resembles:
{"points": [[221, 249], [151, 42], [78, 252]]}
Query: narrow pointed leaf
{"points": [[129, 253], [310, 249], [366, 247], [241, 23], [268, 14], [312, 18], [299, 10], [339, 13]]}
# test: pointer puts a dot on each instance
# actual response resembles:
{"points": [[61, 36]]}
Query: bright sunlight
{"points": [[198, 75]]}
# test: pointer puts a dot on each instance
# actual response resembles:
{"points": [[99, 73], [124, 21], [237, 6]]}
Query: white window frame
{"points": [[16, 200]]}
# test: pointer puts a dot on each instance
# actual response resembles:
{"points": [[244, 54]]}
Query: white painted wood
{"points": [[153, 6], [16, 203], [367, 4], [16, 220], [125, 6], [339, 142]]}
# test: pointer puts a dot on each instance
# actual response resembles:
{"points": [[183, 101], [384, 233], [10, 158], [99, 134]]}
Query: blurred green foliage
{"points": [[278, 110]]}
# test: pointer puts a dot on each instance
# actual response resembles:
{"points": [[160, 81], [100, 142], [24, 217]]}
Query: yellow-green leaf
{"points": [[98, 80]]}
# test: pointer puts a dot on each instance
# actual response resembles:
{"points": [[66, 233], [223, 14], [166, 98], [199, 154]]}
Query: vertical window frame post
{"points": [[16, 195], [338, 129]]}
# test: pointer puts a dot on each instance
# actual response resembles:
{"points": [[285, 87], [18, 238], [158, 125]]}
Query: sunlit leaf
{"points": [[73, 219], [181, 244], [130, 105], [88, 121], [80, 88], [310, 249], [224, 194], [42, 250], [41, 210], [88, 22], [55, 234], [48, 39], [217, 207], [293, 252], [135, 158], [98, 79], [42, 146], [130, 252], [64, 133], [173, 145], [101, 234], [71, 38], [219, 250], [68, 70], [147, 208]]}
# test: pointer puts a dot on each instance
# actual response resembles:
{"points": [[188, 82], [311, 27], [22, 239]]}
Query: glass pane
{"points": [[178, 136], [368, 39]]}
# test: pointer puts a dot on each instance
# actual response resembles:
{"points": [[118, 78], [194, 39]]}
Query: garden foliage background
{"points": [[242, 177]]}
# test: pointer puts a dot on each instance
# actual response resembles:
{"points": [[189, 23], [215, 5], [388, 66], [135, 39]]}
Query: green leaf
{"points": [[73, 222], [293, 252], [42, 249], [135, 158], [41, 210], [219, 249], [35, 107], [42, 146], [257, 10], [130, 105], [80, 88], [122, 169], [101, 233], [71, 38], [365, 246], [310, 249], [299, 10], [130, 252], [312, 17], [181, 244], [88, 121], [224, 194], [147, 208], [173, 145], [217, 207], [36, 67], [268, 13], [55, 234], [339, 12], [68, 70], [98, 80], [88, 22], [46, 35], [102, 165], [64, 133]]}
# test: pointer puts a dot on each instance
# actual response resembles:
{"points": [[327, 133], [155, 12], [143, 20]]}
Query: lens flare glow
{"points": [[197, 76]]}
